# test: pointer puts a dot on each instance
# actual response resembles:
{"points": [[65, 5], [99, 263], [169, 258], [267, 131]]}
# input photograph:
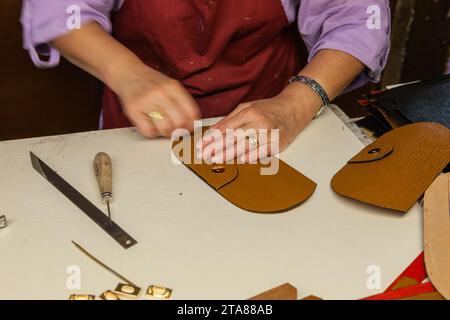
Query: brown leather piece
{"points": [[437, 233], [284, 292], [425, 296], [244, 186], [378, 151], [311, 298], [404, 283], [396, 179]]}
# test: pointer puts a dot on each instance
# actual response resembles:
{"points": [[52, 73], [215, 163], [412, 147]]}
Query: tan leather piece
{"points": [[217, 176], [311, 298], [284, 292], [244, 186], [425, 296], [377, 151], [404, 283], [437, 234], [398, 178]]}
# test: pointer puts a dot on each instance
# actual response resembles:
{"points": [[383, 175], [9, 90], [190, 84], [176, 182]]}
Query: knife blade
{"points": [[102, 220]]}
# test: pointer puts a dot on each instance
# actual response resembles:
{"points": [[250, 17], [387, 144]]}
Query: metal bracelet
{"points": [[317, 88]]}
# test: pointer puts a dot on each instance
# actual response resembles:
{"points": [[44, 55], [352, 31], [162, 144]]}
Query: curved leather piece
{"points": [[374, 152], [398, 179], [244, 186], [437, 233], [216, 176]]}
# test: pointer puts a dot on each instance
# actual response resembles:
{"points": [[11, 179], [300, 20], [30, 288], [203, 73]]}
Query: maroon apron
{"points": [[224, 52]]}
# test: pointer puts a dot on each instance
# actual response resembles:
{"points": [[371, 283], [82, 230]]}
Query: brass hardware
{"points": [[82, 297], [3, 222], [109, 295], [218, 169], [373, 151], [159, 292], [128, 290]]}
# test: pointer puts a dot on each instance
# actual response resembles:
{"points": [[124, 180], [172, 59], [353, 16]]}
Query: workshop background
{"points": [[36, 102]]}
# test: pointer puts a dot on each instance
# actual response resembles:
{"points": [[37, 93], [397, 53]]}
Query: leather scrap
{"points": [[410, 285], [397, 168], [437, 234], [284, 292]]}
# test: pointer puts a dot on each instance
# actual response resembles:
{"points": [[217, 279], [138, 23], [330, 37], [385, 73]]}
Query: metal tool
{"points": [[118, 275], [103, 173], [118, 234]]}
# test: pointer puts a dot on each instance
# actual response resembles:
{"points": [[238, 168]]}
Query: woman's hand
{"points": [[289, 112], [143, 90]]}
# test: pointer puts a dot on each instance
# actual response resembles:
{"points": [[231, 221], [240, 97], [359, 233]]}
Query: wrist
{"points": [[304, 102], [118, 73]]}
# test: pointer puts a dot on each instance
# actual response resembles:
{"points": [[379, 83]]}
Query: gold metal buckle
{"points": [[82, 297], [109, 295], [128, 290], [159, 292]]}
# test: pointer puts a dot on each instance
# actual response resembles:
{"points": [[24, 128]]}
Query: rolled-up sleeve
{"points": [[46, 20], [360, 28]]}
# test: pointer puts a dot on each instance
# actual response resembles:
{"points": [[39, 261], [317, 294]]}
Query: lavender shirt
{"points": [[360, 28]]}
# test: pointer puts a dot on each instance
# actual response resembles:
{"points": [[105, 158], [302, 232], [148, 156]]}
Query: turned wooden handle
{"points": [[103, 173]]}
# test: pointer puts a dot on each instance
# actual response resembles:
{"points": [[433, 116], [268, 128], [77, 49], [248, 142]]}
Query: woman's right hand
{"points": [[143, 90]]}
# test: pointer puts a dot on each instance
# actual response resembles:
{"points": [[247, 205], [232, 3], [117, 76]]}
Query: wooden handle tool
{"points": [[103, 173]]}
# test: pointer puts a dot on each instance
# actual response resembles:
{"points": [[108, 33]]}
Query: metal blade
{"points": [[82, 203]]}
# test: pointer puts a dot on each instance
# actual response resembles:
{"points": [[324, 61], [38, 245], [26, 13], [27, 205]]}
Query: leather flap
{"points": [[216, 175], [400, 176], [243, 184], [373, 152]]}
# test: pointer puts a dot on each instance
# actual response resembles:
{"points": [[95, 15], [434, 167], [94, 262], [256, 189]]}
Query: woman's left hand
{"points": [[289, 113]]}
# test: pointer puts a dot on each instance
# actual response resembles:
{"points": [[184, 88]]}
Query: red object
{"points": [[224, 52], [363, 102], [407, 292], [416, 270]]}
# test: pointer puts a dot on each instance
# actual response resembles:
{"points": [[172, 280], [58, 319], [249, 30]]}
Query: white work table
{"points": [[189, 237]]}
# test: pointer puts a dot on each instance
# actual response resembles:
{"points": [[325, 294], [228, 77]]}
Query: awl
{"points": [[103, 173]]}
